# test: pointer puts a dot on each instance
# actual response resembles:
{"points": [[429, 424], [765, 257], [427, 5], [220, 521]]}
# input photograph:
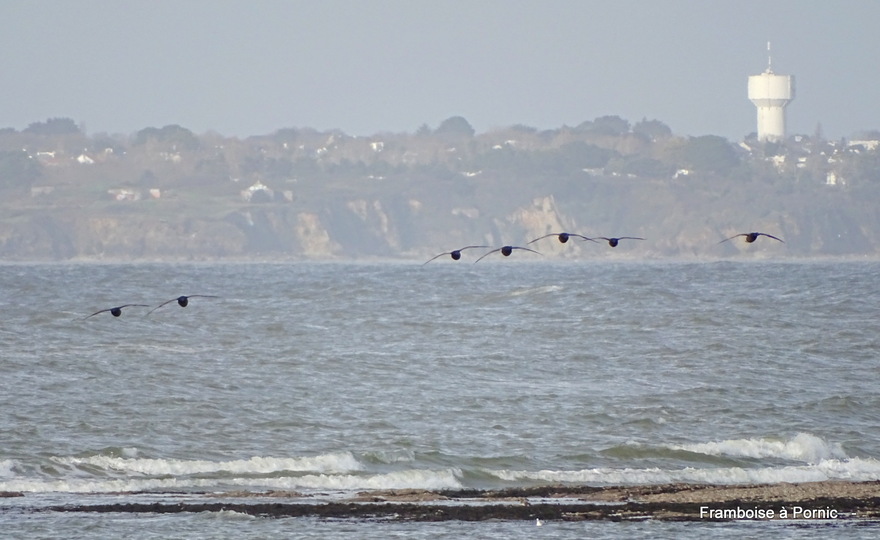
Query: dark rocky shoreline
{"points": [[812, 501]]}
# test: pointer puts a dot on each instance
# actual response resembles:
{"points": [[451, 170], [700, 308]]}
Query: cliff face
{"points": [[416, 221]]}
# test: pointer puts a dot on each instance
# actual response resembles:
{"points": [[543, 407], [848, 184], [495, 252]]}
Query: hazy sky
{"points": [[246, 68]]}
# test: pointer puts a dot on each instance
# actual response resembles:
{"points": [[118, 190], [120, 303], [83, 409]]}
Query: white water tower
{"points": [[771, 93]]}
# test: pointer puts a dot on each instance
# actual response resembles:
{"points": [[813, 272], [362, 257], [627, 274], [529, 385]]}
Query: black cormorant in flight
{"points": [[506, 251], [182, 301], [116, 311], [562, 237], [455, 253], [614, 241], [751, 237]]}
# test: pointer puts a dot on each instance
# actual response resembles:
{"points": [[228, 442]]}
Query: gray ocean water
{"points": [[332, 378]]}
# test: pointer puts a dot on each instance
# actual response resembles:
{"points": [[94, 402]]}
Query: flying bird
{"points": [[562, 237], [182, 301], [455, 253], [506, 251], [614, 241], [751, 237], [116, 311]]}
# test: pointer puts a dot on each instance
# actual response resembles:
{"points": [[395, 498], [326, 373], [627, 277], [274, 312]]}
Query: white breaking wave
{"points": [[122, 485], [855, 469], [802, 447], [230, 515], [425, 479], [342, 471], [417, 479], [335, 471], [328, 463], [6, 468], [536, 290], [823, 461]]}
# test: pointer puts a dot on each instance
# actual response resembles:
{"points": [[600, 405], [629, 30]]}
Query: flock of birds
{"points": [[564, 237], [455, 254]]}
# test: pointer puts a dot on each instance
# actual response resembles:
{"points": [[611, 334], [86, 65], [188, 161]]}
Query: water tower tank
{"points": [[771, 93]]}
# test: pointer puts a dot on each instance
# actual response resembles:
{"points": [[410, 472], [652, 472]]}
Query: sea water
{"points": [[327, 379]]}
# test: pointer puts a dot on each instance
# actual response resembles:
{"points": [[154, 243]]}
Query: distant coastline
{"points": [[300, 194]]}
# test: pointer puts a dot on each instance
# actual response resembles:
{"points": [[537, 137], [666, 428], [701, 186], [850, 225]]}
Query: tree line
{"points": [[608, 146]]}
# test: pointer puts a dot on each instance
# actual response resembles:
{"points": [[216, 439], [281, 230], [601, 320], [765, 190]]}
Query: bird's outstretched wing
{"points": [[182, 299], [543, 237], [771, 236], [732, 237], [487, 253], [437, 256], [526, 249], [162, 304]]}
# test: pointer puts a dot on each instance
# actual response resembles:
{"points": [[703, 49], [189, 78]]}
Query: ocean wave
{"points": [[327, 463], [387, 457], [820, 460], [853, 469], [643, 452], [802, 447], [725, 462], [231, 515], [84, 485], [413, 478], [111, 471], [535, 290], [6, 466]]}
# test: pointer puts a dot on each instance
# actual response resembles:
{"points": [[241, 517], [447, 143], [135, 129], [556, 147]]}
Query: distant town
{"points": [[300, 194]]}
